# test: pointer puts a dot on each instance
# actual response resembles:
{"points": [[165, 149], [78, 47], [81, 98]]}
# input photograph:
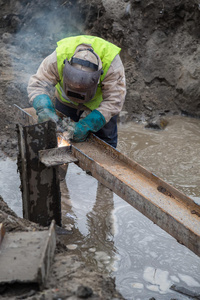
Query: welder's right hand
{"points": [[45, 109]]}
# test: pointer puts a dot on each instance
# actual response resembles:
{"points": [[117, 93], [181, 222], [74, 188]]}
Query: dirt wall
{"points": [[160, 50]]}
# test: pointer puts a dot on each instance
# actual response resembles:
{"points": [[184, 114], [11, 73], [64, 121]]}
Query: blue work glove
{"points": [[92, 123], [45, 109]]}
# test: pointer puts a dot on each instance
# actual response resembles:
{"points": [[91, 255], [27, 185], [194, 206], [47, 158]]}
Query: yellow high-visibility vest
{"points": [[106, 51]]}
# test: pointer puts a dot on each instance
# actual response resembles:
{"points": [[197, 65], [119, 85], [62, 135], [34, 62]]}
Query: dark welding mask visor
{"points": [[80, 86]]}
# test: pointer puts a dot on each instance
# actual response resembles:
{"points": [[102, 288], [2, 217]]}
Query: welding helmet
{"points": [[81, 75]]}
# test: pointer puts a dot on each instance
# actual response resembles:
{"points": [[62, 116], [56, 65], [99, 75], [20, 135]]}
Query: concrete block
{"points": [[26, 257]]}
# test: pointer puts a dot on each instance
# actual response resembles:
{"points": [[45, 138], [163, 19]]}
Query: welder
{"points": [[90, 88]]}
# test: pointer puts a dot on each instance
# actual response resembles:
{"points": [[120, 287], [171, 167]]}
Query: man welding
{"points": [[89, 78]]}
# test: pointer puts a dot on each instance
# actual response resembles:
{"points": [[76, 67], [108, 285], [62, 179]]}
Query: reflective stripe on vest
{"points": [[66, 48]]}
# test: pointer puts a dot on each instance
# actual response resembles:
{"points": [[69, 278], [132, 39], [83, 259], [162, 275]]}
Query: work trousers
{"points": [[108, 133]]}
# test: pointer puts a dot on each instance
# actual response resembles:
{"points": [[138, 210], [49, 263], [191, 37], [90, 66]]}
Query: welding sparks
{"points": [[62, 142]]}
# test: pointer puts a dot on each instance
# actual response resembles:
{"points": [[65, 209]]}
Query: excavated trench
{"points": [[160, 52]]}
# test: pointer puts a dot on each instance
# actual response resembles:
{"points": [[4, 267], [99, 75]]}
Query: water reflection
{"points": [[91, 217], [10, 183], [150, 259], [101, 230], [172, 154]]}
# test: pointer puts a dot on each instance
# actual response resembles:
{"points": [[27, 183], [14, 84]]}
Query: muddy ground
{"points": [[68, 279], [161, 54]]}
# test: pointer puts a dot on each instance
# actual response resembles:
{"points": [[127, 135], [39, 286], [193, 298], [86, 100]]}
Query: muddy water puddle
{"points": [[172, 154], [111, 235], [9, 185]]}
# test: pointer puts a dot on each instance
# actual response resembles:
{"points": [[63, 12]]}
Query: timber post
{"points": [[40, 185]]}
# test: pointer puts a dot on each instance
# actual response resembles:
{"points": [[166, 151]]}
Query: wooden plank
{"points": [[2, 232]]}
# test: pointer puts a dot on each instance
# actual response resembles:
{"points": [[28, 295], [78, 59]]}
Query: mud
{"points": [[160, 51], [69, 278]]}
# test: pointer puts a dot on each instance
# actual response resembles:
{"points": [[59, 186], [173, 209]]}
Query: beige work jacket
{"points": [[113, 85]]}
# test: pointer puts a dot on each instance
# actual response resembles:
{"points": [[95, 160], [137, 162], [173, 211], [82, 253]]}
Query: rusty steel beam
{"points": [[25, 117], [39, 185], [171, 210], [53, 157], [164, 205]]}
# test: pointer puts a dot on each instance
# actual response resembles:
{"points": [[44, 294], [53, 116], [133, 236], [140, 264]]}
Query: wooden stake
{"points": [[2, 232]]}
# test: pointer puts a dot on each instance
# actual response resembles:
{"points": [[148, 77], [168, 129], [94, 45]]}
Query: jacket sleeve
{"points": [[113, 90], [45, 79]]}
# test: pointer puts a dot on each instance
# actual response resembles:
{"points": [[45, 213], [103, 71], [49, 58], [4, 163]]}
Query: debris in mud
{"points": [[84, 292], [182, 290], [157, 124]]}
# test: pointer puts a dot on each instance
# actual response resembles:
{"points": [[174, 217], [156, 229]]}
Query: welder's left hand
{"points": [[92, 123], [45, 109]]}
